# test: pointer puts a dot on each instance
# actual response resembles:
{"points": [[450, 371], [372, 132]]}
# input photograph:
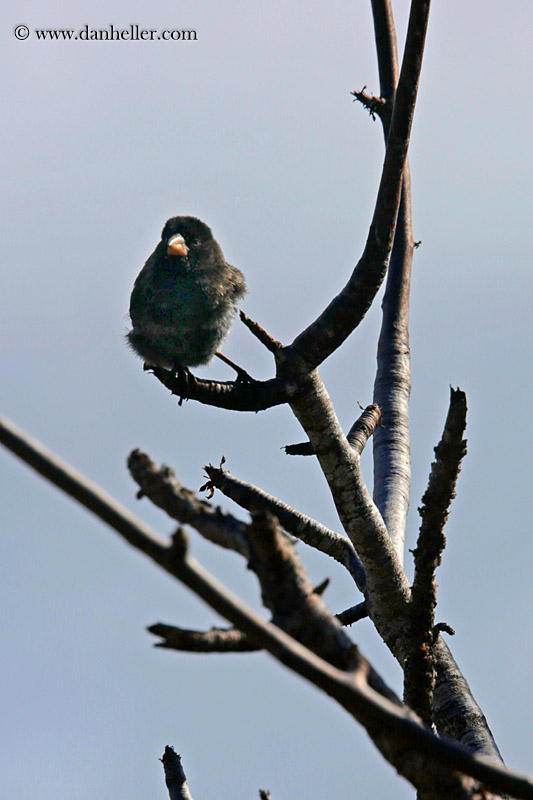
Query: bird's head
{"points": [[188, 239]]}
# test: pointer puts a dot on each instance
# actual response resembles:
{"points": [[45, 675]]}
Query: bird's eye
{"points": [[195, 243]]}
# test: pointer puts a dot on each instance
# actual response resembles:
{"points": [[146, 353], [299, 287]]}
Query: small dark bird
{"points": [[185, 298]]}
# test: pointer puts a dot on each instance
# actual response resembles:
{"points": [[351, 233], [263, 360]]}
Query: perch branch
{"points": [[231, 395]]}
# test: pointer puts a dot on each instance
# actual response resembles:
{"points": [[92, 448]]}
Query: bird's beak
{"points": [[177, 246]]}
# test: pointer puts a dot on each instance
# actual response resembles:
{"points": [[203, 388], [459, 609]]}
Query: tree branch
{"points": [[389, 726], [392, 387], [231, 395], [347, 310], [162, 487], [175, 776], [419, 670], [216, 640], [357, 436], [308, 530], [387, 592]]}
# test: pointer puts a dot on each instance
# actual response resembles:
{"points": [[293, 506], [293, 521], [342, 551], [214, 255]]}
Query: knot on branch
{"points": [[374, 105]]}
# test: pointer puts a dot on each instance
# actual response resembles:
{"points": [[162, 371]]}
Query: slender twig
{"points": [[353, 614], [308, 530], [175, 776], [216, 640], [389, 726], [260, 333], [357, 436], [419, 669]]}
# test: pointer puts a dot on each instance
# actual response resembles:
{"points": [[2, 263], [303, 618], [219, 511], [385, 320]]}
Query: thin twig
{"points": [[216, 640], [357, 436], [353, 614], [260, 333], [374, 105]]}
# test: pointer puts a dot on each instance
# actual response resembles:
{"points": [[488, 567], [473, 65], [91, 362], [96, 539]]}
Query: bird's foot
{"points": [[185, 380], [242, 375]]}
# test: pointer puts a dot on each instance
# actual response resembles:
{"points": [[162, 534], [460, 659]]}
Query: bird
{"points": [[184, 299]]}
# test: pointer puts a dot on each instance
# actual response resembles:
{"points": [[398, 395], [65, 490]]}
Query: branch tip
{"points": [[260, 333]]}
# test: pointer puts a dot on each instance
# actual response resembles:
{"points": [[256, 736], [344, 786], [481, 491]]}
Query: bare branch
{"points": [[387, 588], [216, 640], [162, 487], [260, 333], [80, 488], [346, 311], [389, 726], [357, 437], [455, 711], [386, 47], [288, 593], [175, 776], [353, 614], [232, 395], [392, 387], [374, 105], [308, 530], [419, 670]]}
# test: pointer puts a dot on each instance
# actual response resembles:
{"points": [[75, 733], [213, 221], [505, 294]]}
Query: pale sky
{"points": [[252, 128]]}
